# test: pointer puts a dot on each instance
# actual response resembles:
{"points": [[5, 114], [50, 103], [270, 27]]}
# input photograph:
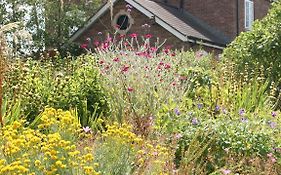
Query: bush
{"points": [[61, 84], [49, 149], [261, 46]]}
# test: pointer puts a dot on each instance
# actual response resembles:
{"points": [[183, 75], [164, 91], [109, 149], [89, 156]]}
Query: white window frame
{"points": [[249, 14]]}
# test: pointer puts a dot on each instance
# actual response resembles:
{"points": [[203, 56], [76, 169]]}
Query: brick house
{"points": [[210, 24]]}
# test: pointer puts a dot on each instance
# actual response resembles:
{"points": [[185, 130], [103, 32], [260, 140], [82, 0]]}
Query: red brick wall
{"points": [[221, 14], [104, 25]]}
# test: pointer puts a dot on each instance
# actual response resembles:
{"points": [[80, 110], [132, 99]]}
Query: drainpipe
{"points": [[237, 17], [181, 4]]}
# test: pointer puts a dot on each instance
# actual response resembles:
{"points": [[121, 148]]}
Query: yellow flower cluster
{"points": [[59, 120], [52, 151], [153, 157], [123, 134]]}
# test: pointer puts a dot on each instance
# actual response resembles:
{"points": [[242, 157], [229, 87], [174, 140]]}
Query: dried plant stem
{"points": [[1, 83]]}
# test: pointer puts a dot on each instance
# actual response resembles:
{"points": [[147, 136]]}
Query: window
{"points": [[122, 22], [249, 14]]}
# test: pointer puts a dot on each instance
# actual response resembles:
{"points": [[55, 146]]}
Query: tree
{"points": [[50, 22]]}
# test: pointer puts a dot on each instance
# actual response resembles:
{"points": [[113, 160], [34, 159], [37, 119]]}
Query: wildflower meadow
{"points": [[132, 105]]}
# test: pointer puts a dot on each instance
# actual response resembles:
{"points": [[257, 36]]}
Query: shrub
{"points": [[61, 84], [261, 46], [50, 149]]}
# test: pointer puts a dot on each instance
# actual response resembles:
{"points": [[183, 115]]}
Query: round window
{"points": [[122, 22]]}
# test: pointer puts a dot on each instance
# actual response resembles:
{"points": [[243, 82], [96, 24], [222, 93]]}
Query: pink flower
{"points": [[273, 160], [122, 36], [105, 45], [167, 66], [183, 78], [87, 129], [224, 171], [116, 59], [84, 46], [125, 68], [133, 35], [178, 136], [147, 36], [109, 39], [117, 26], [130, 89], [96, 43], [101, 62], [153, 49]]}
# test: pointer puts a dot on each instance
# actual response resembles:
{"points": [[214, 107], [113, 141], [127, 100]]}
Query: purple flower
{"points": [[224, 171], [242, 112], [200, 106], [273, 114], [87, 129], [129, 10], [272, 124], [224, 111], [194, 121], [217, 108], [178, 136], [244, 120], [177, 111], [145, 26], [128, 6]]}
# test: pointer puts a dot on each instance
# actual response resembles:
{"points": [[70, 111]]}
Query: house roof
{"points": [[180, 23]]}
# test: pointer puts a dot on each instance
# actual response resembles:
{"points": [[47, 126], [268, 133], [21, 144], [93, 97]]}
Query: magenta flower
{"points": [[130, 89], [125, 68], [84, 46], [133, 35], [167, 66], [96, 43], [122, 36], [148, 36], [153, 49], [101, 62], [116, 59], [273, 114]]}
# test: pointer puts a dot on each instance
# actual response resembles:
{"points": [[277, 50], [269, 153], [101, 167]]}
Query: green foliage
{"points": [[50, 22], [260, 46], [210, 142], [61, 84]]}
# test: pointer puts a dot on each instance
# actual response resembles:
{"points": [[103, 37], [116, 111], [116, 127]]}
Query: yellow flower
{"points": [[88, 169], [37, 163]]}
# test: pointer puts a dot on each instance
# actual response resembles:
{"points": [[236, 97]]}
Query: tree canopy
{"points": [[50, 22]]}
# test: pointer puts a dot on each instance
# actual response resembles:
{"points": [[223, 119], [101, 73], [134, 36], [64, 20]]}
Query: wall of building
{"points": [[222, 14], [104, 25]]}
